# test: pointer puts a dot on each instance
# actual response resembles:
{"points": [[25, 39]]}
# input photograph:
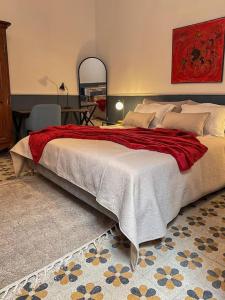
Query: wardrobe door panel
{"points": [[5, 107]]}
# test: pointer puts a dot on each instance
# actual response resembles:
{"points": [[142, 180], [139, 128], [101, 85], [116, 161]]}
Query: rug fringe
{"points": [[12, 288]]}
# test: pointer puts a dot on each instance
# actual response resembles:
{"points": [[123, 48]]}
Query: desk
{"points": [[82, 111], [20, 115]]}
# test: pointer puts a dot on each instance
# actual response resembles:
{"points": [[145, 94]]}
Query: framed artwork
{"points": [[198, 52]]}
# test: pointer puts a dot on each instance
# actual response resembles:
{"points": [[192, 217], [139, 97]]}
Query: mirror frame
{"points": [[106, 82]]}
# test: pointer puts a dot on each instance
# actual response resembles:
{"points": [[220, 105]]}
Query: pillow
{"points": [[137, 119], [185, 121], [216, 122], [177, 104], [159, 110]]}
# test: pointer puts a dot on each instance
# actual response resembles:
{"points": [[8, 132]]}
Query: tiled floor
{"points": [[188, 264]]}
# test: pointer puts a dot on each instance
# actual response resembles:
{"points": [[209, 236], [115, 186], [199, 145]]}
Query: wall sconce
{"points": [[120, 106], [64, 88]]}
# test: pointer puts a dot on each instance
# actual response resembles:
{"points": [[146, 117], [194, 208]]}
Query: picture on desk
{"points": [[92, 76]]}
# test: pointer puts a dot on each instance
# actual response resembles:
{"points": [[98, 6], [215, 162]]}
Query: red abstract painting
{"points": [[198, 52]]}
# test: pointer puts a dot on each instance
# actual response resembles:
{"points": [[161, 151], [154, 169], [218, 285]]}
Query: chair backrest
{"points": [[44, 115]]}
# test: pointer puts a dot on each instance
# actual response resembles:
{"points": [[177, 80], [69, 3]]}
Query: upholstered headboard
{"points": [[131, 101]]}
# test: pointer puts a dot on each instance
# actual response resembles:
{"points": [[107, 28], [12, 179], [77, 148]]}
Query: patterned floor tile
{"points": [[197, 292], [140, 288]]}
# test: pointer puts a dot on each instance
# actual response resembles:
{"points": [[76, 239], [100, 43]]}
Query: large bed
{"points": [[142, 190]]}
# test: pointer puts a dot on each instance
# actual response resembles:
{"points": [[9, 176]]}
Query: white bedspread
{"points": [[144, 189]]}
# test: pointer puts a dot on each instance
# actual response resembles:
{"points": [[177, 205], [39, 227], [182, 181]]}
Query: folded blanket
{"points": [[183, 146]]}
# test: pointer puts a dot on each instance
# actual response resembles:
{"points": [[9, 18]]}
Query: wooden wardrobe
{"points": [[5, 106]]}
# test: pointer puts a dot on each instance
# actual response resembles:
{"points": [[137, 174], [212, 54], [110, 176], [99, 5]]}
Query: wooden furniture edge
{"points": [[4, 24]]}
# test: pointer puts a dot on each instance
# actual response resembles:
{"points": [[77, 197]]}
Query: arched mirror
{"points": [[92, 77]]}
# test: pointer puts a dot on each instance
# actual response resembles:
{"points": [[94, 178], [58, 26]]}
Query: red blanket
{"points": [[183, 146]]}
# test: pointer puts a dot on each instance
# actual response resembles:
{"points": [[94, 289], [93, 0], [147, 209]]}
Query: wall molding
{"points": [[27, 101], [161, 94], [130, 101]]}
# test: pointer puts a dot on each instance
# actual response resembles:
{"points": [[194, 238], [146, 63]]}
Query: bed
{"points": [[142, 190]]}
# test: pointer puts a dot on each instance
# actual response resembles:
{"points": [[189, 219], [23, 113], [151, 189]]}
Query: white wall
{"points": [[47, 40], [134, 38]]}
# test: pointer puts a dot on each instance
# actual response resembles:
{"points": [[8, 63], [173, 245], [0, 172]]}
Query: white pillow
{"points": [[176, 103], [159, 109], [215, 124]]}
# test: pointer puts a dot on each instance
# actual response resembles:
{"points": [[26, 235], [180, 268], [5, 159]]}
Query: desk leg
{"points": [[17, 120], [88, 119], [83, 117], [66, 117], [76, 118], [91, 123]]}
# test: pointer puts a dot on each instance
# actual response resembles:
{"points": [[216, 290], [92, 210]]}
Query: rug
{"points": [[6, 168], [188, 263], [40, 223]]}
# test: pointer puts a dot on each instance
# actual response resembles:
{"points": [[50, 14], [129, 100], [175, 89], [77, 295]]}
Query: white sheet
{"points": [[144, 189]]}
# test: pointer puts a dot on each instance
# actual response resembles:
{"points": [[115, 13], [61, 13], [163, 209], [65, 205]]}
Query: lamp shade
{"points": [[62, 86], [119, 105]]}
